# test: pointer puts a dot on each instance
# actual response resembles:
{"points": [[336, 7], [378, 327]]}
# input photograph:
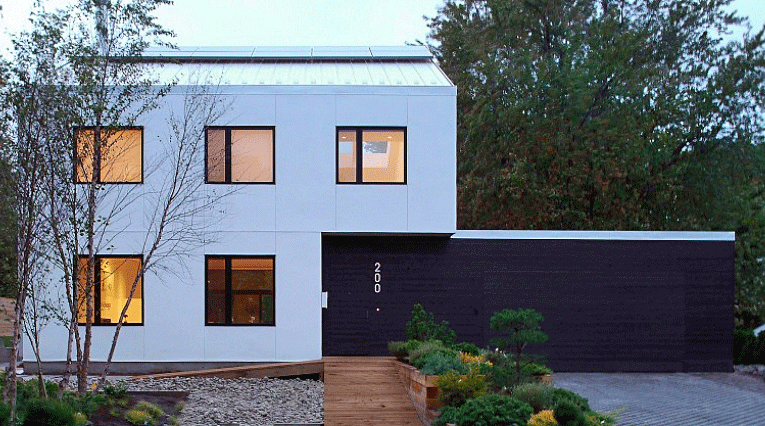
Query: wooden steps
{"points": [[365, 391], [255, 371]]}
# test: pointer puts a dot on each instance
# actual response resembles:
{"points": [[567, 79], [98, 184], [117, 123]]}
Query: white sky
{"points": [[293, 22]]}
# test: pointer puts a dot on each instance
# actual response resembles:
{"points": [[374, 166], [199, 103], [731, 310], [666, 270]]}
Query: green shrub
{"points": [[48, 412], [150, 408], [138, 417], [561, 395], [501, 378], [448, 415], [569, 414], [539, 396], [398, 349], [494, 409], [496, 357], [427, 349], [422, 326], [532, 369], [116, 390], [748, 348], [519, 328], [456, 389], [439, 363], [5, 413], [468, 348]]}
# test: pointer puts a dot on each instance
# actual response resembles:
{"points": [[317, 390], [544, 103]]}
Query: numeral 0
{"points": [[378, 278]]}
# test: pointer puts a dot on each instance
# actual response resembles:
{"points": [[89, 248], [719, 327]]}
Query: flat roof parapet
{"points": [[286, 54]]}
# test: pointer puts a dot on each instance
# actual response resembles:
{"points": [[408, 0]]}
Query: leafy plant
{"points": [[439, 363], [493, 409], [522, 327], [468, 348], [448, 414], [427, 349], [543, 418], [422, 326], [116, 390], [150, 408], [534, 369], [139, 417], [569, 414], [48, 412], [561, 395], [456, 389], [539, 396], [467, 358]]}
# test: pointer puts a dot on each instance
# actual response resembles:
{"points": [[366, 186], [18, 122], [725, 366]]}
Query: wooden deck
{"points": [[365, 391], [281, 369]]}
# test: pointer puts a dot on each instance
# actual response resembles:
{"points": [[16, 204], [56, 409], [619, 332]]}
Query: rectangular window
{"points": [[121, 155], [371, 155], [239, 290], [114, 277], [239, 155]]}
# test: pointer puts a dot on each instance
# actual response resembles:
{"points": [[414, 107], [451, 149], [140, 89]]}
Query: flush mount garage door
{"points": [[610, 305]]}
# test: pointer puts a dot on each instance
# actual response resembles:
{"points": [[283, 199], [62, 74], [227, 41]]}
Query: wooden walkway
{"points": [[365, 391]]}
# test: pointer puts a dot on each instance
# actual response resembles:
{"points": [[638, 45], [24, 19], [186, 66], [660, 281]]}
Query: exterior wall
{"points": [[612, 301], [285, 219]]}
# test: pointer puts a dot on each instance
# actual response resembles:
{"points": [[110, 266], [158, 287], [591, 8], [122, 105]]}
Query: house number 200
{"points": [[378, 277]]}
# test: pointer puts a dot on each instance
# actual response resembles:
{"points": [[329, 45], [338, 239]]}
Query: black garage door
{"points": [[608, 305]]}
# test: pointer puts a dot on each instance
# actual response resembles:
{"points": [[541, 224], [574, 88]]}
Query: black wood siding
{"points": [[609, 305]]}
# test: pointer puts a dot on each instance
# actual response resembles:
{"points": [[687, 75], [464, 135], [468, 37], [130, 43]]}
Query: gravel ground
{"points": [[243, 402]]}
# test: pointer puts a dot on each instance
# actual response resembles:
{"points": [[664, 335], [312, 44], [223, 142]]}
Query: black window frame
{"points": [[108, 129], [227, 143], [229, 293], [359, 157], [97, 290]]}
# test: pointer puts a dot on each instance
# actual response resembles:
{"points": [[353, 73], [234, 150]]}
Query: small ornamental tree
{"points": [[423, 327], [521, 328]]}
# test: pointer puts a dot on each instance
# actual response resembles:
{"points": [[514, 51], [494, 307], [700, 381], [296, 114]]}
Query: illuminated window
{"points": [[371, 155], [114, 277], [121, 155], [240, 155], [239, 290]]}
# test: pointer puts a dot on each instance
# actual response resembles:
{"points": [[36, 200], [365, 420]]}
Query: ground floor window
{"points": [[113, 278], [239, 290]]}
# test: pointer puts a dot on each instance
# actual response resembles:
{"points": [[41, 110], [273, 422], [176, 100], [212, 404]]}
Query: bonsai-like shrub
{"points": [[539, 396], [569, 414], [468, 348], [561, 395], [456, 389], [521, 328], [534, 369], [439, 363], [543, 418], [48, 412], [494, 409], [423, 327]]}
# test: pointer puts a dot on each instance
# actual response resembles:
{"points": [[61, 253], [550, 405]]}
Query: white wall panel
{"points": [[242, 243], [371, 110], [242, 207], [130, 345], [372, 208], [247, 110], [298, 296], [240, 343]]}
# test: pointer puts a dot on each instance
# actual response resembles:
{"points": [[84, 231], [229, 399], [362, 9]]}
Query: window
{"points": [[371, 155], [121, 155], [114, 277], [239, 155], [239, 290]]}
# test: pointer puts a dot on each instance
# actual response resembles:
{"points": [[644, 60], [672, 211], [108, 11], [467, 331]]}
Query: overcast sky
{"points": [[294, 22]]}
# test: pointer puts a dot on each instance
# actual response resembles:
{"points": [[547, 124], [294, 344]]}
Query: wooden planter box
{"points": [[422, 389]]}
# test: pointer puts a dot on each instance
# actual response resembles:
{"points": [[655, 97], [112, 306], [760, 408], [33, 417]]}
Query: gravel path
{"points": [[243, 402]]}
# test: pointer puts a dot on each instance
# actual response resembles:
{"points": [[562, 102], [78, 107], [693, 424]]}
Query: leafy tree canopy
{"points": [[609, 114]]}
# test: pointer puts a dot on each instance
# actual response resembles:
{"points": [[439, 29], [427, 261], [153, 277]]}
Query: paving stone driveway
{"points": [[677, 399]]}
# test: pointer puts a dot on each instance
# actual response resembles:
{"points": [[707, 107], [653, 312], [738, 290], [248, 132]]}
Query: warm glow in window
{"points": [[121, 155], [113, 280], [383, 156], [240, 290], [240, 155]]}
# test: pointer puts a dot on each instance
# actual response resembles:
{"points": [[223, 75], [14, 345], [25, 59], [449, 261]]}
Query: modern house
{"points": [[343, 162]]}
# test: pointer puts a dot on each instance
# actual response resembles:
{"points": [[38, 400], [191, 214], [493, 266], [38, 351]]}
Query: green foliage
{"points": [[8, 231], [448, 415], [492, 409], [538, 395], [586, 115], [468, 348], [5, 413], [398, 349], [439, 363], [521, 328], [456, 389], [117, 390], [48, 412], [748, 348], [422, 327], [565, 395], [569, 414], [429, 348], [534, 369], [139, 417], [150, 408]]}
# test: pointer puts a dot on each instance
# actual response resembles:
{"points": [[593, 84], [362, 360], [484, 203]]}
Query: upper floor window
{"points": [[239, 290], [239, 155], [371, 155], [114, 277], [121, 159]]}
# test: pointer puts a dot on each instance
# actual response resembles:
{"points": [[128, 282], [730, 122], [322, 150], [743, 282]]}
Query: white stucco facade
{"points": [[285, 219]]}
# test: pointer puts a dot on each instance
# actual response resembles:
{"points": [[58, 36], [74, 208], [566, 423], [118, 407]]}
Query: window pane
{"points": [[252, 154], [216, 291], [251, 279], [216, 155], [84, 167], [121, 156], [383, 156], [346, 156], [117, 277]]}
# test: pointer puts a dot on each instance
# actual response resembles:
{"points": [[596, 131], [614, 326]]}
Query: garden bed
{"points": [[171, 402], [422, 390]]}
